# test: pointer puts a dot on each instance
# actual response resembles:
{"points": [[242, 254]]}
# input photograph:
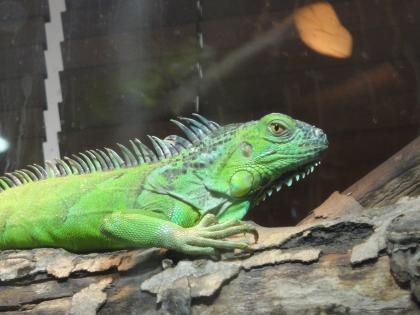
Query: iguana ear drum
{"points": [[246, 148]]}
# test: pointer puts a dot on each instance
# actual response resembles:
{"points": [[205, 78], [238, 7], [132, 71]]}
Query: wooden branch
{"points": [[397, 177], [339, 266]]}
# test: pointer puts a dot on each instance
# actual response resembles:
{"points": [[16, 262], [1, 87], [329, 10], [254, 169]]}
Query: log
{"points": [[363, 264], [395, 178], [398, 176]]}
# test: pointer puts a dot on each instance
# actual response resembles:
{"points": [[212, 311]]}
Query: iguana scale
{"points": [[188, 195]]}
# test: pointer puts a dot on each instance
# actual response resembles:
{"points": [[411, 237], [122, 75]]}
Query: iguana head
{"points": [[264, 155]]}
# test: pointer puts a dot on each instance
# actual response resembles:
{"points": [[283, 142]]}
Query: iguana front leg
{"points": [[205, 238]]}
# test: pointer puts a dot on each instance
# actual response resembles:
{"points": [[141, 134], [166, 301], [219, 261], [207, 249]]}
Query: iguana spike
{"points": [[51, 169], [42, 170], [23, 176], [115, 158], [3, 184], [103, 166], [30, 174], [137, 152], [215, 124], [37, 171], [149, 155], [82, 163], [106, 160], [65, 169], [210, 124], [14, 179], [90, 164], [197, 131], [157, 148], [118, 159], [61, 170], [129, 158], [20, 177], [75, 166], [6, 182], [197, 124], [93, 162], [178, 142], [174, 151], [166, 151], [188, 132]]}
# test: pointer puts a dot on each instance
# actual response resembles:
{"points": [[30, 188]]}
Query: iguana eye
{"points": [[276, 128]]}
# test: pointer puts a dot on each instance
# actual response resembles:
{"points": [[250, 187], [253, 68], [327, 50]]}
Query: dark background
{"points": [[130, 65]]}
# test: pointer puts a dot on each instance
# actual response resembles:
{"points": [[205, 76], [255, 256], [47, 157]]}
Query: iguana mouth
{"points": [[287, 179]]}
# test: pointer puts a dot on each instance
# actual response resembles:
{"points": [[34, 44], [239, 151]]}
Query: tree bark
{"points": [[397, 177], [359, 254]]}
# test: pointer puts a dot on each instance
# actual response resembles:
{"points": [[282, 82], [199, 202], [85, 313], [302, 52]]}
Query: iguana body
{"points": [[97, 201]]}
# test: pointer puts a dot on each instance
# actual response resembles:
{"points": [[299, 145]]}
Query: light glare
{"points": [[4, 144], [320, 29]]}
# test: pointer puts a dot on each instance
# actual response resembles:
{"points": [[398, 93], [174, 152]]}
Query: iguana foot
{"points": [[206, 237]]}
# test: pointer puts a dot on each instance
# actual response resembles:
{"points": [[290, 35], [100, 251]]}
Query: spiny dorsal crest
{"points": [[92, 161]]}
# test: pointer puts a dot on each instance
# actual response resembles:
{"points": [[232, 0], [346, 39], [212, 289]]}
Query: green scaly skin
{"points": [[188, 202]]}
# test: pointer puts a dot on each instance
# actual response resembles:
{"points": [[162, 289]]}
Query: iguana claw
{"points": [[207, 237]]}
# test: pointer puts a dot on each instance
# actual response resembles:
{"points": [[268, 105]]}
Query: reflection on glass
{"points": [[4, 144], [320, 28]]}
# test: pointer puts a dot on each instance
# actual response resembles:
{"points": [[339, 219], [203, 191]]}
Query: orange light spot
{"points": [[320, 29]]}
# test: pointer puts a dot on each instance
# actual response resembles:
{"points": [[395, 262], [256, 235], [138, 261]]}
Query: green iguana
{"points": [[187, 196]]}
